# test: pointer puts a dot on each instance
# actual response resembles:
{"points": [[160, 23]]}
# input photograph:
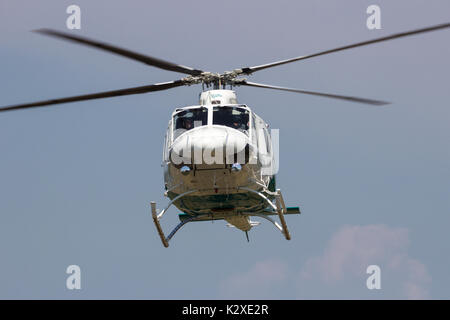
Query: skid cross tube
{"points": [[259, 194], [276, 224], [280, 209], [156, 217], [165, 240], [173, 200]]}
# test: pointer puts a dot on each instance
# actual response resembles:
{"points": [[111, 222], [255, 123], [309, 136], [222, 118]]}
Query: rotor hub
{"points": [[216, 80]]}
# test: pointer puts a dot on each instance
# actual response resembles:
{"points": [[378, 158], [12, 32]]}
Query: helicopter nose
{"points": [[210, 145]]}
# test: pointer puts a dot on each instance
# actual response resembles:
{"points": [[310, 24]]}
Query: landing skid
{"points": [[278, 209], [281, 210], [165, 240]]}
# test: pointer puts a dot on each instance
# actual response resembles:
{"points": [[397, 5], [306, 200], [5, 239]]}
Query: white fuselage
{"points": [[217, 153]]}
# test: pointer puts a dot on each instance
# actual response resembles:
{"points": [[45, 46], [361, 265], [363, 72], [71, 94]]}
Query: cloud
{"points": [[259, 282], [340, 272]]}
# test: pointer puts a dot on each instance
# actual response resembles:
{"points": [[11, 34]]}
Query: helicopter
{"points": [[219, 158]]}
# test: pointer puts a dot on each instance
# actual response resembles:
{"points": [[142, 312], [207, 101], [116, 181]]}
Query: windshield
{"points": [[189, 119], [233, 117]]}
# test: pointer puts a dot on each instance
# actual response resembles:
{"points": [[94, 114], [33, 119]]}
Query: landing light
{"points": [[185, 170], [236, 167]]}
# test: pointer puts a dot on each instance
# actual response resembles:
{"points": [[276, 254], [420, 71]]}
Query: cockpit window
{"points": [[233, 117], [189, 119]]}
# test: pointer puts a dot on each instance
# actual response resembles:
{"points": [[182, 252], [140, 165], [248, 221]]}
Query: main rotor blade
{"points": [[249, 70], [155, 62], [327, 95], [99, 95]]}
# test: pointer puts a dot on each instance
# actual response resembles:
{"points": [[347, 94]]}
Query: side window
{"points": [[267, 139], [254, 132], [167, 142], [261, 135]]}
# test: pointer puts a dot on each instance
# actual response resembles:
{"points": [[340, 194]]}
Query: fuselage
{"points": [[218, 158]]}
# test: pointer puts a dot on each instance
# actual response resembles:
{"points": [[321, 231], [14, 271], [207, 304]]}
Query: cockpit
{"points": [[234, 116], [190, 118]]}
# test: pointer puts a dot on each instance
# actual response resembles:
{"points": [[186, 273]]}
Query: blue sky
{"points": [[373, 183]]}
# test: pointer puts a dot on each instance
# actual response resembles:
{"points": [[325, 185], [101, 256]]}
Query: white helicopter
{"points": [[219, 159]]}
